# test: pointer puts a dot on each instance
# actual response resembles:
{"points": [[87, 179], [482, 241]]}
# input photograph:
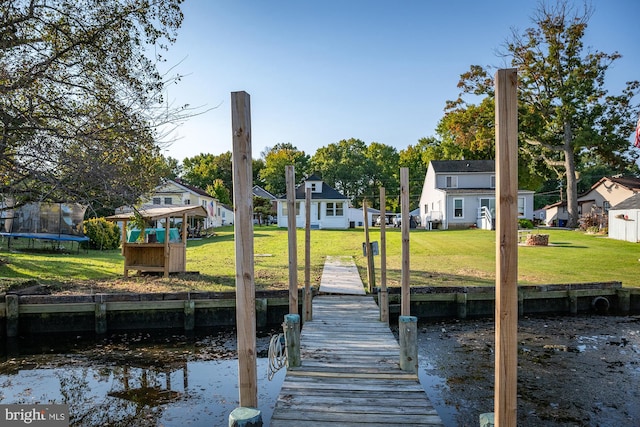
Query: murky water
{"points": [[133, 380]]}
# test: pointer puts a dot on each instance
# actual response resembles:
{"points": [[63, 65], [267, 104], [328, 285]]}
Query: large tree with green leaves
{"points": [[566, 113], [276, 159], [204, 169], [81, 98], [344, 166]]}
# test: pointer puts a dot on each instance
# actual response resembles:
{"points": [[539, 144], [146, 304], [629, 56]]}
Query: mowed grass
{"points": [[437, 258]]}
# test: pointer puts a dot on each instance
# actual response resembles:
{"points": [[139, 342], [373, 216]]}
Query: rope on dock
{"points": [[277, 355]]}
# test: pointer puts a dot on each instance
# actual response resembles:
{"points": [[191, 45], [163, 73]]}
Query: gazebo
{"points": [[167, 253]]}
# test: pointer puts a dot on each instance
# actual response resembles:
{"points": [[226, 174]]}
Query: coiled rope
{"points": [[277, 355]]}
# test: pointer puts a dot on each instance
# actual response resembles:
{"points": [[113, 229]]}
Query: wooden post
{"points": [[291, 327], [189, 315], [371, 272], [167, 262], [243, 235], [293, 247], [408, 340], [12, 312], [100, 315], [383, 300], [506, 330], [307, 256], [405, 303]]}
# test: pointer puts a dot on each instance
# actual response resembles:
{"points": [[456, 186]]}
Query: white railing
{"points": [[485, 219]]}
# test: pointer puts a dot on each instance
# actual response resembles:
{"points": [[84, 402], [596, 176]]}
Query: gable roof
{"points": [[191, 188], [327, 193], [630, 182], [632, 202], [261, 192], [461, 166]]}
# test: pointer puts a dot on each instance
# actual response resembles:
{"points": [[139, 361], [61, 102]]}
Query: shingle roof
{"points": [[632, 202], [261, 192], [444, 166]]}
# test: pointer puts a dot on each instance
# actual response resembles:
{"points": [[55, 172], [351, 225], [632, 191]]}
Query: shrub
{"points": [[525, 223], [102, 234]]}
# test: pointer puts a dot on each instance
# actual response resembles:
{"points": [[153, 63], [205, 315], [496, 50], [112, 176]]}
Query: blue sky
{"points": [[380, 71]]}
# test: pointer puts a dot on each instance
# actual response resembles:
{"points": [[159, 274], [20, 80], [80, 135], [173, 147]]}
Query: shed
{"points": [[167, 253], [624, 220]]}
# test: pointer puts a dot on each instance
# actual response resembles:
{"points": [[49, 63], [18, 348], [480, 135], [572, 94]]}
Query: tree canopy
{"points": [[80, 98], [567, 117], [276, 159]]}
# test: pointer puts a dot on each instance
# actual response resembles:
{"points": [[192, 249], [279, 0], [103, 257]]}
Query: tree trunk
{"points": [[572, 182]]}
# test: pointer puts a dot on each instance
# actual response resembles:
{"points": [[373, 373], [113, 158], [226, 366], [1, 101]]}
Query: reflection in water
{"points": [[126, 384]]}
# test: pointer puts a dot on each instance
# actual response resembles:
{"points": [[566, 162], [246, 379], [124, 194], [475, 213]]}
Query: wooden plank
{"points": [[350, 373]]}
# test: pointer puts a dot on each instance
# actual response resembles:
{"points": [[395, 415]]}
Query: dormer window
{"points": [[314, 187], [451, 182], [492, 184]]}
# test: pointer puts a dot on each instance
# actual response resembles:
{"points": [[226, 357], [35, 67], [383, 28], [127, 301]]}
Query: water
{"points": [[132, 381]]}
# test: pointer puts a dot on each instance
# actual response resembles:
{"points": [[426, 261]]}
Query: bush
{"points": [[524, 223], [102, 234]]}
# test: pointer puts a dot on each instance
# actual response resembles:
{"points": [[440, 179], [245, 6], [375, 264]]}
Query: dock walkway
{"points": [[350, 374]]}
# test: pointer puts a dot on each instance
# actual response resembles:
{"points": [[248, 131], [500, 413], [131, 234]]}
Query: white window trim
{"points": [[461, 208]]}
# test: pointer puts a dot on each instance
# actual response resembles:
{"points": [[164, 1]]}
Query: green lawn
{"points": [[438, 258]]}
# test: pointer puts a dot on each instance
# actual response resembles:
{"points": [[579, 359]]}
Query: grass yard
{"points": [[438, 258]]}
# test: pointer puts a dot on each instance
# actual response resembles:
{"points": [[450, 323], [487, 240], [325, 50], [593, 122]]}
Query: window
{"points": [[157, 201], [285, 210], [451, 182], [313, 187], [492, 181], [458, 208], [426, 208], [335, 209], [520, 206], [606, 206], [187, 201], [489, 203], [168, 201]]}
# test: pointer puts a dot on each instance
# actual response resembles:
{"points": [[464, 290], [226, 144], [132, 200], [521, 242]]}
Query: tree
{"points": [[204, 169], [219, 191], [80, 98], [263, 209], [564, 106], [382, 171], [276, 160], [344, 166]]}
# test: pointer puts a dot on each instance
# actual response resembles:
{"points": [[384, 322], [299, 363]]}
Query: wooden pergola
{"points": [[166, 256]]}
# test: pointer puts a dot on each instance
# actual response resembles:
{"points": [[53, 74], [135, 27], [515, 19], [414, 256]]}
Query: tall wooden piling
{"points": [[371, 271], [293, 246], [243, 233], [383, 300], [506, 356], [405, 304], [307, 256]]}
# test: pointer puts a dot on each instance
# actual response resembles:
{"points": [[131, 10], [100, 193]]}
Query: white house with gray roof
{"points": [[329, 208], [462, 193]]}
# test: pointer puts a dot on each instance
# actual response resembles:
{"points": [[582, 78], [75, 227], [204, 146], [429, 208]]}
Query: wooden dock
{"points": [[350, 374]]}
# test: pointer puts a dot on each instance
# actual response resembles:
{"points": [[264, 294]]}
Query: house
{"points": [[356, 216], [264, 194], [329, 208], [462, 193], [225, 214], [607, 192], [177, 193], [555, 215], [624, 220]]}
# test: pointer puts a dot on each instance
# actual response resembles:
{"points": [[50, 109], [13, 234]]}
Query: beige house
{"points": [[174, 193], [607, 192]]}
